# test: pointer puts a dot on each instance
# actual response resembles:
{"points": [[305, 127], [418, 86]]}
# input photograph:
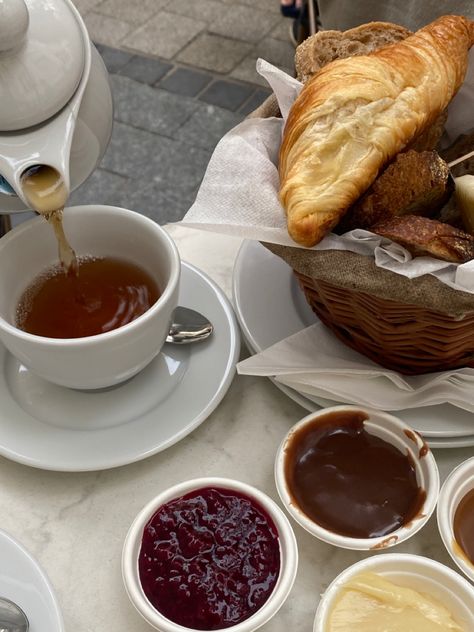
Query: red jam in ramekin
{"points": [[209, 559]]}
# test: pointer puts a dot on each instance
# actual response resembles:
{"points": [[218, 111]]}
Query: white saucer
{"points": [[56, 428], [23, 582], [263, 286]]}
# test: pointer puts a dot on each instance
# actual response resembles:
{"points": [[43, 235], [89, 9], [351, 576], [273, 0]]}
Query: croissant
{"points": [[357, 113]]}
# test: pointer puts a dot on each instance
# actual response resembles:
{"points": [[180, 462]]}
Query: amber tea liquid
{"points": [[103, 294], [46, 191]]}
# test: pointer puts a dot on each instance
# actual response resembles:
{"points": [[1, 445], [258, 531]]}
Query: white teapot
{"points": [[55, 98]]}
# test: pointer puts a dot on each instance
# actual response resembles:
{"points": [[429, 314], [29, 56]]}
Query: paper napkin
{"points": [[315, 363]]}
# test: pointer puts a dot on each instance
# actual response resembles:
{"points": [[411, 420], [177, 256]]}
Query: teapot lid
{"points": [[42, 59]]}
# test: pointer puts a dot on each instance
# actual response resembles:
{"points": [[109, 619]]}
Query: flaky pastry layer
{"points": [[357, 113]]}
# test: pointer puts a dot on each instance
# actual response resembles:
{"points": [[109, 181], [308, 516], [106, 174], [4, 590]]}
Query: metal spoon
{"points": [[188, 326], [12, 617]]}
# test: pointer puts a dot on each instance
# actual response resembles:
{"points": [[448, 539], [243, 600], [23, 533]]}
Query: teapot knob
{"points": [[14, 20]]}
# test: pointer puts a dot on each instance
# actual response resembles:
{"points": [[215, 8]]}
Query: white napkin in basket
{"points": [[314, 362]]}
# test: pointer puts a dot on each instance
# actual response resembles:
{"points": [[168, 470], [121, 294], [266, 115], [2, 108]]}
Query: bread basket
{"points": [[413, 326]]}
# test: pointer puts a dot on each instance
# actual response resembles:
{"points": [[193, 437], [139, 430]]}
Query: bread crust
{"points": [[428, 237], [415, 183], [357, 113], [326, 46]]}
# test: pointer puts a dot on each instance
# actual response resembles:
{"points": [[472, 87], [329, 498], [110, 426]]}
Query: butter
{"points": [[464, 196], [370, 603]]}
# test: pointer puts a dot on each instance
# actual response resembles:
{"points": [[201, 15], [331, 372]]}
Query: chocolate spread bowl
{"points": [[455, 514], [206, 542], [356, 478]]}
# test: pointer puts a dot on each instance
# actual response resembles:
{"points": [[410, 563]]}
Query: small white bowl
{"points": [[455, 487], [288, 554], [395, 432], [426, 576]]}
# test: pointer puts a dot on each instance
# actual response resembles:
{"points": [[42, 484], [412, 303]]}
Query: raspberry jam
{"points": [[209, 559]]}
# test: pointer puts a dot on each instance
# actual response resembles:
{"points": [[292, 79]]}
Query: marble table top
{"points": [[75, 523]]}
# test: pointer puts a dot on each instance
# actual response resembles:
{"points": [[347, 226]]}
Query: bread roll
{"points": [[357, 113], [425, 237], [415, 183], [324, 47]]}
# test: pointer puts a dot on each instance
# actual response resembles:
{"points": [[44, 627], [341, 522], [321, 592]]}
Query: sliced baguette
{"points": [[326, 46], [428, 237]]}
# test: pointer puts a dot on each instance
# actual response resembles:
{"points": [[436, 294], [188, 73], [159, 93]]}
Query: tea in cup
{"points": [[127, 262]]}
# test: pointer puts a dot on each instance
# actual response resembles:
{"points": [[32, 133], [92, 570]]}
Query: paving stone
{"points": [[143, 156], [226, 94], [269, 6], [83, 6], [151, 109], [186, 82], [246, 71], [101, 187], [214, 52], [235, 23], [145, 69], [105, 29], [183, 168], [164, 35], [207, 126], [114, 59], [257, 98], [131, 149], [163, 205], [282, 30], [131, 12], [200, 9], [278, 53]]}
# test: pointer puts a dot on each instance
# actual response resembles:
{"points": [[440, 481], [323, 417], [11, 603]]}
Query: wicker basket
{"points": [[413, 326], [406, 338]]}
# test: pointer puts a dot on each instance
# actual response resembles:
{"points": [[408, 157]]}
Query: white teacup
{"points": [[105, 359]]}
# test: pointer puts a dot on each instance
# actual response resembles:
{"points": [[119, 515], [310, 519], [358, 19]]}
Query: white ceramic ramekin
{"points": [[105, 359], [395, 432], [455, 487], [288, 554], [426, 576]]}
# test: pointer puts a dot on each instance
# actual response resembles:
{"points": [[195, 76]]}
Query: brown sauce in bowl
{"points": [[349, 481], [463, 525]]}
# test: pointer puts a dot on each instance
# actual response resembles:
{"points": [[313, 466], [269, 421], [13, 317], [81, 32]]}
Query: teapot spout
{"points": [[44, 188], [45, 146]]}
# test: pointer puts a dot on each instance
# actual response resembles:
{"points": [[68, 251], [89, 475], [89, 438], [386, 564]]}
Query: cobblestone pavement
{"points": [[182, 75], [220, 36]]}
